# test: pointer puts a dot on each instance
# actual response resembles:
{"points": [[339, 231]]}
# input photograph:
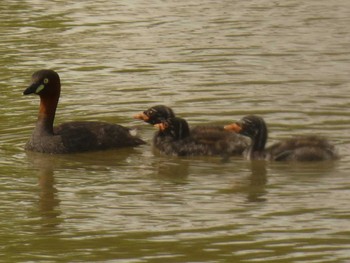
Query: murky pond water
{"points": [[213, 62]]}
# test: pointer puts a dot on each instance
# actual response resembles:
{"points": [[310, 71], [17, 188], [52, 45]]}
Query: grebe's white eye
{"points": [[46, 81]]}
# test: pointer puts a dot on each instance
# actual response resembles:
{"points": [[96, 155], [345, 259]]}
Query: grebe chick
{"points": [[299, 148], [202, 133], [174, 138]]}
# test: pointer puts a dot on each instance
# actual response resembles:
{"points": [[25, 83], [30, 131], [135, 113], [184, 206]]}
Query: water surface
{"points": [[212, 62]]}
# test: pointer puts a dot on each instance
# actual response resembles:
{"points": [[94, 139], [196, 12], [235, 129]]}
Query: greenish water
{"points": [[213, 62]]}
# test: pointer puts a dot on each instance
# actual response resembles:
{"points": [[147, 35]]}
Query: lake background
{"points": [[212, 62]]}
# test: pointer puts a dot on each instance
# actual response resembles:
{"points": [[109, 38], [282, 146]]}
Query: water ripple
{"points": [[213, 62]]}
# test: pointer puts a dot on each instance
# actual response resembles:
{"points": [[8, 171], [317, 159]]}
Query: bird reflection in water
{"points": [[258, 180], [48, 203], [251, 181]]}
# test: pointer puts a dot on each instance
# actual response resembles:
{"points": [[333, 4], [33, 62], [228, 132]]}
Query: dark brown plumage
{"points": [[155, 114], [202, 134], [175, 138], [69, 137], [299, 148]]}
